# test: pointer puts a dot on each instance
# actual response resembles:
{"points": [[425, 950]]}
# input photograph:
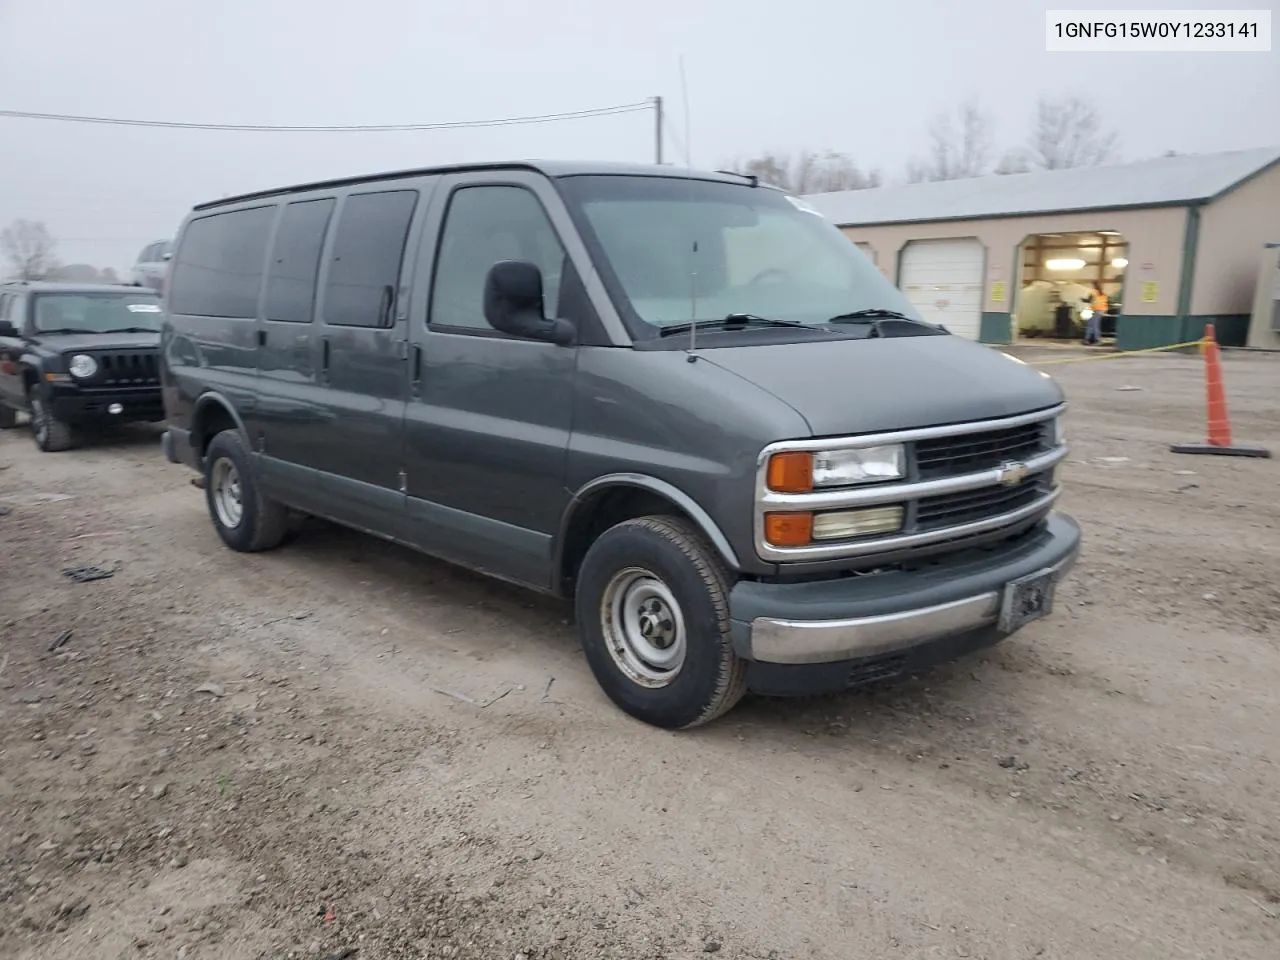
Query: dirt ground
{"points": [[342, 745]]}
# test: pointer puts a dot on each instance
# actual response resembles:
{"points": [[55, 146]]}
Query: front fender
{"points": [[661, 488]]}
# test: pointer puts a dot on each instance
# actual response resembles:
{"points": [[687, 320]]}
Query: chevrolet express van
{"points": [[682, 399]]}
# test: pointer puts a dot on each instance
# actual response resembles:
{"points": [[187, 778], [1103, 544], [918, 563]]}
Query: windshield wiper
{"points": [[872, 317], [734, 321], [132, 330], [868, 316], [62, 330]]}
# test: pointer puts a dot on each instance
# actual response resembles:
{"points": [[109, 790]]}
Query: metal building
{"points": [[1173, 242]]}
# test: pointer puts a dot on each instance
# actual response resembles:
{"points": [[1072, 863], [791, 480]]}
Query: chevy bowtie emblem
{"points": [[1012, 474]]}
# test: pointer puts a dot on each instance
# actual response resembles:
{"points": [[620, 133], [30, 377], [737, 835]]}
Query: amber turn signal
{"points": [[791, 472], [788, 529]]}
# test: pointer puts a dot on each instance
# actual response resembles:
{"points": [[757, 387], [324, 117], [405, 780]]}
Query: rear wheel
{"points": [[653, 616], [51, 434], [245, 519]]}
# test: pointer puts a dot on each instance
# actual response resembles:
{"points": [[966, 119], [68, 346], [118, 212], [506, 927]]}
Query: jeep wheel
{"points": [[51, 434], [244, 518], [653, 615], [8, 417]]}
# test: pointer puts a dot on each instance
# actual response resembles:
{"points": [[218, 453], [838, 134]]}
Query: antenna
{"points": [[693, 274]]}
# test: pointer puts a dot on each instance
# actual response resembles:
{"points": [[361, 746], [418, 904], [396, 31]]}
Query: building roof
{"points": [[1168, 181]]}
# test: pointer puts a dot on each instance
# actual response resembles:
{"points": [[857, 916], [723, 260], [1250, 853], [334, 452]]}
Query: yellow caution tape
{"points": [[1125, 353]]}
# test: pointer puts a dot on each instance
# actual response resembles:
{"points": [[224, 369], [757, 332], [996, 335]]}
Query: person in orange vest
{"points": [[1098, 305]]}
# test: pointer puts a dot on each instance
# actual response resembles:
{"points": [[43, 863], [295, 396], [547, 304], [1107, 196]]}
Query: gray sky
{"points": [[860, 76]]}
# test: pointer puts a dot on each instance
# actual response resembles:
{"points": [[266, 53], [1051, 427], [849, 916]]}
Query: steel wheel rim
{"points": [[39, 421], [644, 627], [225, 489]]}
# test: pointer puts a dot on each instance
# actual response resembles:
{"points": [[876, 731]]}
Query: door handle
{"points": [[324, 358], [262, 338], [387, 301], [415, 369]]}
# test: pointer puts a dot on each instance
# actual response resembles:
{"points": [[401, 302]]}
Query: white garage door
{"points": [[943, 280]]}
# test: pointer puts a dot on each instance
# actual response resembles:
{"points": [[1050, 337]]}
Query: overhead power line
{"points": [[354, 128]]}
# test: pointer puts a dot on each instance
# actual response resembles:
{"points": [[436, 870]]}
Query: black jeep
{"points": [[78, 356]]}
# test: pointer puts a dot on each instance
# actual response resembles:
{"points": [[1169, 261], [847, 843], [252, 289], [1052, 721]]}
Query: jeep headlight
{"points": [[82, 366], [804, 471]]}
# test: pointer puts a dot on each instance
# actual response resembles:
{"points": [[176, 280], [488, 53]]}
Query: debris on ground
{"points": [[87, 574], [215, 690], [60, 641]]}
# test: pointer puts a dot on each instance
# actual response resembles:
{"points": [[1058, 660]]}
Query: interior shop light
{"points": [[1064, 263], [1120, 263]]}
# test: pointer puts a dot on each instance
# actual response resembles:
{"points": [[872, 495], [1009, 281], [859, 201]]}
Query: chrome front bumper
{"points": [[974, 604]]}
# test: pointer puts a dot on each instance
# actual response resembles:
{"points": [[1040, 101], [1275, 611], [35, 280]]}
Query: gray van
{"points": [[682, 399]]}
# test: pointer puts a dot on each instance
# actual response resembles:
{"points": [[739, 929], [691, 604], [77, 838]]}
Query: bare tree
{"points": [[1069, 132], [29, 248], [1013, 161], [959, 146], [810, 172]]}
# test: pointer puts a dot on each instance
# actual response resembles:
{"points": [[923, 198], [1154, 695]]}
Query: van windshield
{"points": [[683, 251]]}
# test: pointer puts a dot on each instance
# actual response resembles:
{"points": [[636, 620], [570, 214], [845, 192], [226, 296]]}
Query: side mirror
{"points": [[513, 303], [7, 329], [166, 257]]}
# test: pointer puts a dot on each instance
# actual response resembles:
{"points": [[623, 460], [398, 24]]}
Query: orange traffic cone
{"points": [[1219, 424]]}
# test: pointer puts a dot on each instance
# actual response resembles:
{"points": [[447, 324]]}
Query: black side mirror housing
{"points": [[7, 329], [513, 303]]}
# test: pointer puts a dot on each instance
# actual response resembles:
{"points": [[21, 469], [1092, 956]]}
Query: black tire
{"points": [[8, 417], [51, 434], [627, 561], [261, 523]]}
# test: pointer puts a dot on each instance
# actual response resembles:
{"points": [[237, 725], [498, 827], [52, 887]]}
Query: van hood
{"points": [[890, 383]]}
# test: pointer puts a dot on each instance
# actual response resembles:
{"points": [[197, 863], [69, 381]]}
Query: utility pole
{"points": [[657, 130]]}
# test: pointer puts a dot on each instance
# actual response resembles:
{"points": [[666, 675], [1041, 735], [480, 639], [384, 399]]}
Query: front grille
{"points": [[127, 368], [970, 506], [972, 452], [978, 508]]}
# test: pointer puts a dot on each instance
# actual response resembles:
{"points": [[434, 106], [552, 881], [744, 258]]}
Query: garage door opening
{"points": [[943, 281], [1060, 275]]}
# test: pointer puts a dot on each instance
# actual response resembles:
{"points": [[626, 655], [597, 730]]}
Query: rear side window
{"points": [[364, 267], [295, 260], [218, 269]]}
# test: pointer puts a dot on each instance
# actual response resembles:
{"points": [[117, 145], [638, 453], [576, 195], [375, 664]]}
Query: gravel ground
{"points": [[342, 745]]}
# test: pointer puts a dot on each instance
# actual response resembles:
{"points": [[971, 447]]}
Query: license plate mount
{"points": [[1027, 599]]}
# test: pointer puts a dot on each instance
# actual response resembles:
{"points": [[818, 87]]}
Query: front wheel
{"points": [[653, 616], [51, 434], [245, 519]]}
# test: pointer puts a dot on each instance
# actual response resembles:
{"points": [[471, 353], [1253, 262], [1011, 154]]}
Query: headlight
{"points": [[839, 468], [841, 524], [802, 472], [82, 366]]}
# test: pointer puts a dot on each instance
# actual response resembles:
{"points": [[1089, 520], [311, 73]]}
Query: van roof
{"points": [[549, 168]]}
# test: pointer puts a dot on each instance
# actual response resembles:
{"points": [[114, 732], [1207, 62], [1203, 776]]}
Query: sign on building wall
{"points": [[997, 292], [1150, 292]]}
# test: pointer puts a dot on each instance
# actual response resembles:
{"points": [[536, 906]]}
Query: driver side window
{"points": [[483, 225]]}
